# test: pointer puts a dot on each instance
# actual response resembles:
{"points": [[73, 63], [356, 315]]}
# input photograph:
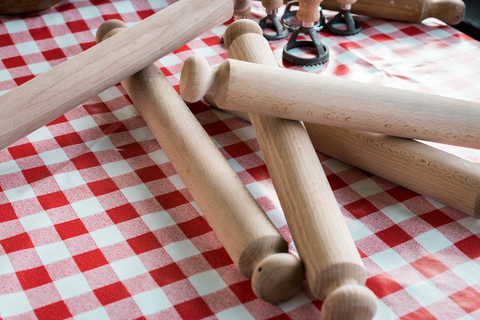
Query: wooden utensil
{"points": [[448, 11], [431, 172], [53, 93], [16, 7], [249, 237], [242, 86], [333, 266]]}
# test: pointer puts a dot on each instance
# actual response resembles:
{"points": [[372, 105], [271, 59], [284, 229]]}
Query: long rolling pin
{"points": [[249, 237], [448, 11], [247, 87], [431, 172], [333, 267], [53, 93]]}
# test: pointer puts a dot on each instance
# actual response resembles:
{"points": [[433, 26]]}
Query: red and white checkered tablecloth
{"points": [[95, 223]]}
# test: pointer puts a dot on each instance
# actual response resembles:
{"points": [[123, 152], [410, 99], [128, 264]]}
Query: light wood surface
{"points": [[247, 234], [272, 4], [53, 93], [333, 266], [448, 11], [431, 172], [246, 87], [308, 10]]}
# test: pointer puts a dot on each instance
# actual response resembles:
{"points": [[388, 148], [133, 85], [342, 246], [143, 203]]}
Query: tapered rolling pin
{"points": [[249, 237], [448, 11], [333, 266], [247, 87], [53, 93]]}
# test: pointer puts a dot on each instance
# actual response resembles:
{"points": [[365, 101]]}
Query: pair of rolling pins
{"points": [[448, 11], [245, 87], [251, 240], [333, 267], [53, 93]]}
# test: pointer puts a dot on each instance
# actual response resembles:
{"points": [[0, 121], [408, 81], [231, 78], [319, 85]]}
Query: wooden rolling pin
{"points": [[249, 237], [333, 266], [431, 172], [53, 93], [247, 87], [448, 11]]}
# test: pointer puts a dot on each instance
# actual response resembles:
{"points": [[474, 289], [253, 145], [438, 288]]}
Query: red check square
{"points": [[22, 151], [41, 33], [36, 174], [16, 243], [336, 182], [69, 139], [243, 291], [145, 242], [111, 293], [6, 40], [168, 274], [259, 173], [360, 208], [217, 127], [71, 229], [150, 173], [54, 54], [401, 194], [429, 266], [419, 314], [90, 260], [393, 236], [102, 187], [195, 227], [194, 309], [383, 285], [86, 160], [470, 246], [218, 258], [131, 150], [32, 278], [238, 149], [78, 26], [14, 62], [55, 311], [7, 213], [468, 299], [171, 200], [436, 218], [53, 200], [122, 213]]}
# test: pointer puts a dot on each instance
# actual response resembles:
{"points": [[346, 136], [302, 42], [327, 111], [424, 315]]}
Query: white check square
{"points": [[181, 250], [152, 301], [128, 268], [87, 207], [366, 188], [235, 313], [158, 220], [72, 286], [67, 40], [83, 123], [53, 252], [388, 260], [137, 193], [468, 272], [54, 156], [40, 134], [358, 230], [35, 221], [433, 241], [5, 265], [9, 167], [107, 236], [14, 304], [117, 168], [398, 212], [97, 314], [20, 193], [425, 293], [207, 282], [69, 180], [26, 48]]}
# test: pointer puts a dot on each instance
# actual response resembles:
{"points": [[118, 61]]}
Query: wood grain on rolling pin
{"points": [[247, 234], [53, 93], [448, 11], [246, 87], [333, 266]]}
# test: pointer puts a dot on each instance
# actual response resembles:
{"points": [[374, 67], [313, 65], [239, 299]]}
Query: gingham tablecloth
{"points": [[95, 223]]}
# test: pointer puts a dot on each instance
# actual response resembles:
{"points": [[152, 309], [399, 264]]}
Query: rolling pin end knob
{"points": [[277, 278], [238, 28], [195, 78], [350, 302], [108, 26]]}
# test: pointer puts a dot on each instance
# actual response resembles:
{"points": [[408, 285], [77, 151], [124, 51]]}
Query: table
{"points": [[95, 223]]}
